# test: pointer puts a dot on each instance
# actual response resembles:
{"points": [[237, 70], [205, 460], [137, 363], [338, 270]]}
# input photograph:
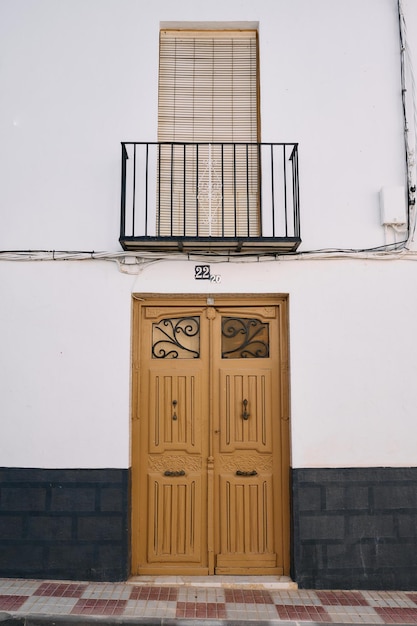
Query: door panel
{"points": [[209, 461], [246, 402], [245, 409], [246, 540], [169, 458], [173, 410], [175, 491], [174, 509]]}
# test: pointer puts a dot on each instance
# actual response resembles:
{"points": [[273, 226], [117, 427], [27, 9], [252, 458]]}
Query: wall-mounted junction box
{"points": [[393, 206]]}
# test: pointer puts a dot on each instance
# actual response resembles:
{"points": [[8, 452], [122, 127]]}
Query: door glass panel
{"points": [[176, 338], [244, 338]]}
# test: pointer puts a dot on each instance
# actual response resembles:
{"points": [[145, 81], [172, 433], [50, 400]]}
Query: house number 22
{"points": [[202, 272]]}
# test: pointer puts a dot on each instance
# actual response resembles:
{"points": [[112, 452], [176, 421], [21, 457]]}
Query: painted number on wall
{"points": [[202, 272]]}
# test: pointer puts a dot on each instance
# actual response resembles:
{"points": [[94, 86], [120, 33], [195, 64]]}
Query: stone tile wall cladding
{"points": [[354, 528], [64, 524], [351, 528]]}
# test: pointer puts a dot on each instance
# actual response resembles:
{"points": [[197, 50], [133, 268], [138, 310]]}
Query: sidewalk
{"points": [[216, 601]]}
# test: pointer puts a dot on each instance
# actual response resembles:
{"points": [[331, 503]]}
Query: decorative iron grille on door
{"points": [[179, 338]]}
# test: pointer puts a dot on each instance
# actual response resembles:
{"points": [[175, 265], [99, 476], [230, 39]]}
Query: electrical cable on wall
{"points": [[410, 148]]}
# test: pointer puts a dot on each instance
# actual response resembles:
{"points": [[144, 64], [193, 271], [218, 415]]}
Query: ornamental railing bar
{"points": [[191, 192]]}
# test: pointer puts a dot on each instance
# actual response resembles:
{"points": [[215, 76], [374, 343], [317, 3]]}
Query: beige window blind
{"points": [[208, 94]]}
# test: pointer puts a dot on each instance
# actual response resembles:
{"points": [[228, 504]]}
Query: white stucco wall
{"points": [[79, 77], [66, 357]]}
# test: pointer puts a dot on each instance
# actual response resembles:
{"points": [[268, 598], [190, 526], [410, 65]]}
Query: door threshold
{"points": [[227, 582]]}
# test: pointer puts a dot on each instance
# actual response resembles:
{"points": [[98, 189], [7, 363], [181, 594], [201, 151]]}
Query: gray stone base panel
{"points": [[354, 528], [64, 524]]}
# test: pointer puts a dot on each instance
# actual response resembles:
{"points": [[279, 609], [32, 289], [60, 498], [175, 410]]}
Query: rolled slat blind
{"points": [[208, 88]]}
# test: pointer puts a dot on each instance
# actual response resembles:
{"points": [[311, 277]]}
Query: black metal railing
{"points": [[201, 196]]}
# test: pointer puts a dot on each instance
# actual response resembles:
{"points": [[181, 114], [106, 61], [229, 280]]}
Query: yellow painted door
{"points": [[210, 438]]}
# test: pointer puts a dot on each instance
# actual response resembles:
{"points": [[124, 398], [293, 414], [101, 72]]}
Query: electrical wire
{"points": [[135, 262], [407, 71]]}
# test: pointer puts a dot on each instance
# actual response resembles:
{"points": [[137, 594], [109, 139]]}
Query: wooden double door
{"points": [[210, 457]]}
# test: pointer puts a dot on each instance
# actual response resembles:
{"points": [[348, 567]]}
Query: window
{"points": [[208, 179], [244, 338]]}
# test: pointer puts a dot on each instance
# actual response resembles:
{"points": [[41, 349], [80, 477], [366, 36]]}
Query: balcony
{"points": [[217, 197]]}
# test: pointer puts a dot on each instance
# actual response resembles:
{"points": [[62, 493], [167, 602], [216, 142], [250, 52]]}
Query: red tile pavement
{"points": [[305, 613], [99, 607], [12, 603], [248, 596], [397, 615], [154, 593], [342, 598], [201, 610], [60, 590], [206, 602]]}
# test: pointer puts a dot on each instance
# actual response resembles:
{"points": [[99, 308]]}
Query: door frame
{"points": [[190, 300]]}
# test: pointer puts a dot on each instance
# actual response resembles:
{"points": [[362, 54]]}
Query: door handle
{"points": [[245, 414], [242, 473], [171, 473]]}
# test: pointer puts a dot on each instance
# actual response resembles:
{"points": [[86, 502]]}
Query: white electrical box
{"points": [[392, 205]]}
